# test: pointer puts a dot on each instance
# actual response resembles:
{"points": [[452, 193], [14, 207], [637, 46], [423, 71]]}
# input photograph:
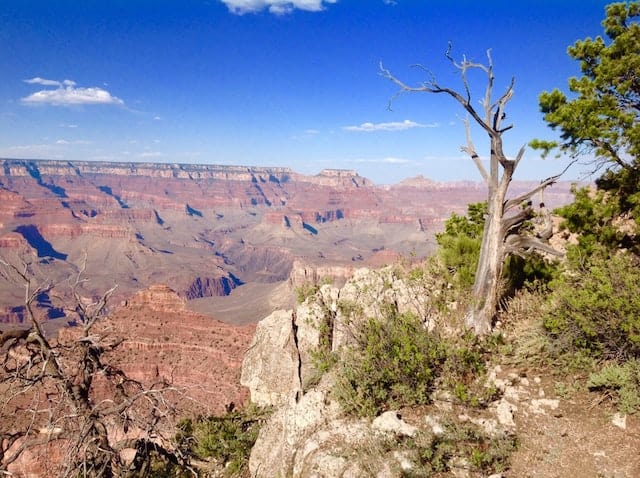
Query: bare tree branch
{"points": [[511, 203], [471, 151], [51, 390], [519, 245]]}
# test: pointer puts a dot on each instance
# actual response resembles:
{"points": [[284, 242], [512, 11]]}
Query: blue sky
{"points": [[274, 82]]}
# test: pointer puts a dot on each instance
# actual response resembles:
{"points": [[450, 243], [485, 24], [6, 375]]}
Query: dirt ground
{"points": [[576, 439]]}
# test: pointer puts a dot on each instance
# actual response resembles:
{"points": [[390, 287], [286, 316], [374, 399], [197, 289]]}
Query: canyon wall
{"points": [[208, 229]]}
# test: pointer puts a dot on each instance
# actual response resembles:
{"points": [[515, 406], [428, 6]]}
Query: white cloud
{"points": [[77, 141], [150, 154], [67, 94], [277, 7], [392, 126], [311, 132], [41, 81], [392, 160]]}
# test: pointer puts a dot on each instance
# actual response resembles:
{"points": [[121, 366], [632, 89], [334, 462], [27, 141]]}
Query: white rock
{"points": [[488, 425], [433, 422], [288, 430], [494, 381], [504, 413], [270, 365], [390, 422], [537, 405], [310, 319], [619, 421], [403, 460], [515, 394]]}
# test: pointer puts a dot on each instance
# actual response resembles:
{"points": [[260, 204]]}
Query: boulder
{"points": [[271, 365]]}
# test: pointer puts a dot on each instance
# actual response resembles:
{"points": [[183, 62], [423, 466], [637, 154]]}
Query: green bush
{"points": [[530, 272], [393, 363], [464, 369], [597, 309], [597, 216], [228, 439], [623, 381], [459, 243]]}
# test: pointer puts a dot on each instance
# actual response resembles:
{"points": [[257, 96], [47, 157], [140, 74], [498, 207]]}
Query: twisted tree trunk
{"points": [[486, 288]]}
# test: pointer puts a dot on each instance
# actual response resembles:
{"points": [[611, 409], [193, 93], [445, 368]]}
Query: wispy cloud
{"points": [[151, 154], [29, 151], [386, 160], [75, 141], [66, 93], [41, 81], [277, 7], [393, 160], [392, 126]]}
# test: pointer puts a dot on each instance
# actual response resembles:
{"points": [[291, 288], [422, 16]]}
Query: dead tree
{"points": [[500, 237], [59, 397]]}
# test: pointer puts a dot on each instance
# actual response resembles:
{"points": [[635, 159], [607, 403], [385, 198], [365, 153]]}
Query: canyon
{"points": [[201, 253], [218, 235]]}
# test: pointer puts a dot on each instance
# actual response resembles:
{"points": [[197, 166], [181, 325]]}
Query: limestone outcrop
{"points": [[310, 435], [271, 364]]}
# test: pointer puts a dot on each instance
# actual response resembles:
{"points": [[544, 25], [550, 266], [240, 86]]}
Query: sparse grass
{"points": [[462, 445], [306, 291], [309, 289]]}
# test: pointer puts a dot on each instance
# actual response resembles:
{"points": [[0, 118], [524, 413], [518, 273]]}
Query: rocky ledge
{"points": [[310, 434]]}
